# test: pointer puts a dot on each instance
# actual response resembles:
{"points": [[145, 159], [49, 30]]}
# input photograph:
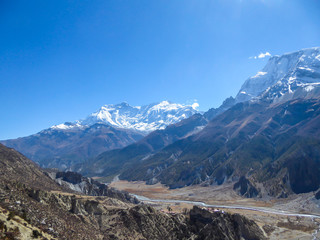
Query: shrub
{"points": [[36, 234], [11, 215]]}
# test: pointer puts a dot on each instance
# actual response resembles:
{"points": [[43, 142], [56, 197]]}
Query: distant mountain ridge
{"points": [[141, 118], [61, 148], [111, 127]]}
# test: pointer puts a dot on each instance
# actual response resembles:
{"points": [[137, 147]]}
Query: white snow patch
{"points": [[65, 126], [306, 68], [291, 79], [309, 88]]}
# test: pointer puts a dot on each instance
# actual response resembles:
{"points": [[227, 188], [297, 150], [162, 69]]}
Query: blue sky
{"points": [[61, 60]]}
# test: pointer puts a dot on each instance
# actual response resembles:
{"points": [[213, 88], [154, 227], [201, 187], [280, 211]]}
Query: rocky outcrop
{"points": [[245, 188], [144, 222], [221, 225], [88, 186]]}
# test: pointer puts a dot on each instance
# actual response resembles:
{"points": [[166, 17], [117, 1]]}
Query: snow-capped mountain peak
{"points": [[284, 76], [142, 118]]}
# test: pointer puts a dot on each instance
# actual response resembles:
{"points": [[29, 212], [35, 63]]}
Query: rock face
{"points": [[245, 188], [220, 225]]}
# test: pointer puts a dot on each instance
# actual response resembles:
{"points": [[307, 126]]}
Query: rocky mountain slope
{"points": [[32, 205], [17, 169]]}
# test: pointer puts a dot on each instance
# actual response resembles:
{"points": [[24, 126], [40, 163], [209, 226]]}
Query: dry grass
{"points": [[295, 226]]}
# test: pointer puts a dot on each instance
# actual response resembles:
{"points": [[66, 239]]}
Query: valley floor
{"points": [[276, 225]]}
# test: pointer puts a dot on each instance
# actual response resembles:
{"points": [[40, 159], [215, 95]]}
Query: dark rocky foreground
{"points": [[32, 203], [67, 216]]}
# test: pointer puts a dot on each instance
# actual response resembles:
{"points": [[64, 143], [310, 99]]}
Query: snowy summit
{"points": [[287, 76], [142, 118]]}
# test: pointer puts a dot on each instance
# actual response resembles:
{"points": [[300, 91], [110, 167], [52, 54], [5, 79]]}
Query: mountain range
{"points": [[265, 140], [266, 137], [111, 127], [141, 118]]}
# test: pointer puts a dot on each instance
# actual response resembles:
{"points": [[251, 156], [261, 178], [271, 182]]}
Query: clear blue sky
{"points": [[60, 60]]}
